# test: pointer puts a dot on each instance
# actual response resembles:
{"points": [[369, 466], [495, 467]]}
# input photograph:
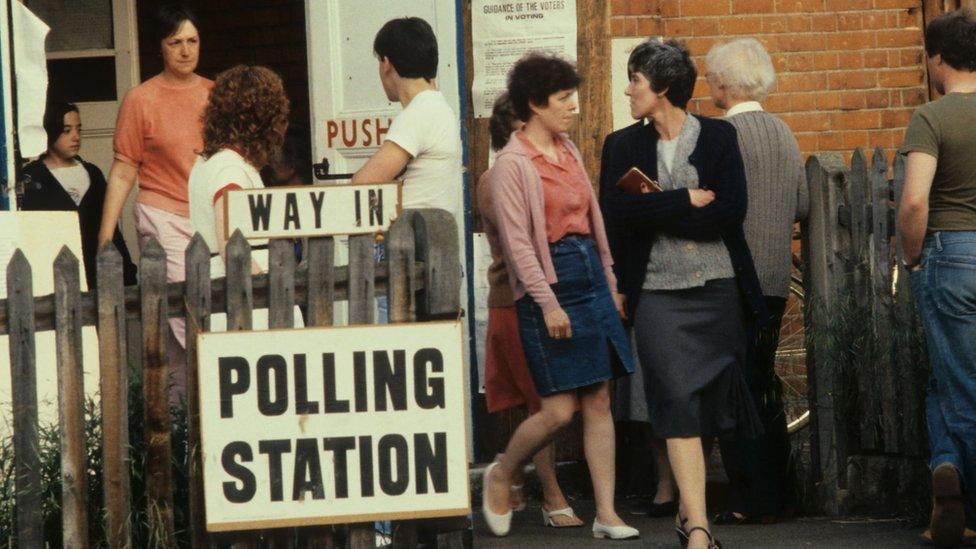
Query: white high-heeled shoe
{"points": [[614, 532], [498, 524]]}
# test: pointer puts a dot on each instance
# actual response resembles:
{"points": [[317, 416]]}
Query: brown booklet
{"points": [[637, 182]]}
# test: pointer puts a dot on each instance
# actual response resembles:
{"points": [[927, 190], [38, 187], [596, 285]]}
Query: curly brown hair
{"points": [[247, 110]]}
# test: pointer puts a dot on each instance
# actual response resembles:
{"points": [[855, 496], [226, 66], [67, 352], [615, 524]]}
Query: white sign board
{"points": [[320, 210], [333, 425], [503, 31]]}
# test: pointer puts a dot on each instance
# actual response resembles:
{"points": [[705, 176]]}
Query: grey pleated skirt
{"points": [[692, 347]]}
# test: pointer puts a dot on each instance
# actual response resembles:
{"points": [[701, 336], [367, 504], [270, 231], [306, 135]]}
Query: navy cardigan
{"points": [[631, 219]]}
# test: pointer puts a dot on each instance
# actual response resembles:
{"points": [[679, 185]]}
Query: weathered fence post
{"points": [[198, 306], [23, 381], [71, 400], [155, 388], [114, 389]]}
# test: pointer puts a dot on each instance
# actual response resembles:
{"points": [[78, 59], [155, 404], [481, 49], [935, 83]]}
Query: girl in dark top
{"points": [[684, 267], [61, 180]]}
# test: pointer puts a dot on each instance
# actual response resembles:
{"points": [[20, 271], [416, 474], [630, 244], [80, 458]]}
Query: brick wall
{"points": [[254, 32], [849, 72]]}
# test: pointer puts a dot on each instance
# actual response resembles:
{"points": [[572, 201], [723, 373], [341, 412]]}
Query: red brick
{"points": [[649, 26], [851, 60], [855, 120], [823, 23], [781, 63], [880, 99], [618, 26], [707, 7], [807, 141], [891, 4], [847, 5], [752, 6], [898, 38], [914, 98], [799, 24], [849, 21], [747, 24], [852, 101], [828, 101], [668, 8], [773, 24], [876, 59], [851, 80], [800, 102], [777, 103], [875, 20], [902, 78], [895, 118], [799, 6], [705, 26], [856, 40], [852, 140], [801, 42], [800, 62], [911, 58], [811, 81], [699, 45], [826, 61], [678, 26], [831, 141]]}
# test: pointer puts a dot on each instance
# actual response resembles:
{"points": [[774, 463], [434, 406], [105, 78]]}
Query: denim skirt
{"points": [[585, 358]]}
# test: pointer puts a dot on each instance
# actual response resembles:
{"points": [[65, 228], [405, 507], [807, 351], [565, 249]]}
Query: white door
{"points": [[350, 112], [93, 60]]}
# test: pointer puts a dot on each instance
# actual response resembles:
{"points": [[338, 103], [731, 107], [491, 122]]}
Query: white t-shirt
{"points": [[428, 130], [222, 171], [666, 150], [74, 179]]}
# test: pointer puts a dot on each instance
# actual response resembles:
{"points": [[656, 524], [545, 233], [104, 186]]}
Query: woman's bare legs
{"points": [[552, 494], [530, 436], [665, 477], [688, 463], [599, 447]]}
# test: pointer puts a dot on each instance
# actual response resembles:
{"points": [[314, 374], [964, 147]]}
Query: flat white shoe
{"points": [[498, 524], [566, 512], [614, 532]]}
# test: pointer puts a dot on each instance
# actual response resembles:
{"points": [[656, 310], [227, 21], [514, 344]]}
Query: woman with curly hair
{"points": [[243, 124], [559, 269]]}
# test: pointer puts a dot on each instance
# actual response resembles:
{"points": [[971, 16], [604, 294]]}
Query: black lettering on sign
{"points": [[366, 484], [302, 404], [359, 379], [359, 209], [340, 446], [390, 379], [273, 449], [279, 403], [376, 207], [233, 455], [430, 461], [308, 470], [333, 405], [260, 211], [291, 211], [235, 378], [317, 200], [393, 448], [429, 392]]}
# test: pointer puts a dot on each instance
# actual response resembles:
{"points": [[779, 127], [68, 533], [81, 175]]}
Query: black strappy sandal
{"points": [[679, 528], [712, 542]]}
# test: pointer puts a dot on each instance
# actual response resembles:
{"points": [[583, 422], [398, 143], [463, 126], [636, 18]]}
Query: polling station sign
{"points": [[307, 211], [333, 425]]}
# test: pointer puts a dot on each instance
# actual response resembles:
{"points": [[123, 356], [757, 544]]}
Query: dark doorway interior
{"points": [[253, 32]]}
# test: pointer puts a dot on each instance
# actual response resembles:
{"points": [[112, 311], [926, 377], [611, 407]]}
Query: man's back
{"points": [[946, 129]]}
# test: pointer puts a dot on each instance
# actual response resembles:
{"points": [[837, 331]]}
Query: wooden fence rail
{"points": [[865, 356], [421, 277]]}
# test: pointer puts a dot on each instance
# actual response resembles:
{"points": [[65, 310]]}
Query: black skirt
{"points": [[692, 347]]}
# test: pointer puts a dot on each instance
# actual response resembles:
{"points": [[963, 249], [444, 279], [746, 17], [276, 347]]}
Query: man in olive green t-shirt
{"points": [[937, 221]]}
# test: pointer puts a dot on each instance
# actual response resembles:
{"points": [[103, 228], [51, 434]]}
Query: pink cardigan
{"points": [[519, 208]]}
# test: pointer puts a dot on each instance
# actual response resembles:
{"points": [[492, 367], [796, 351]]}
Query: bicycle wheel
{"points": [[791, 359]]}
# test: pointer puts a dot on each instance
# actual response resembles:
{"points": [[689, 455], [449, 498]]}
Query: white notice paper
{"points": [[505, 30], [30, 63]]}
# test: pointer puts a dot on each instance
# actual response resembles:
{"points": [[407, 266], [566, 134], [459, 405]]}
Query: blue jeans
{"points": [[945, 294]]}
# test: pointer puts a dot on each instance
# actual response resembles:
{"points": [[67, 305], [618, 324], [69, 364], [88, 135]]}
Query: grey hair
{"points": [[743, 67], [667, 66]]}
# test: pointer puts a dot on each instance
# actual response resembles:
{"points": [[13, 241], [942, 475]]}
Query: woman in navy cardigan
{"points": [[682, 262]]}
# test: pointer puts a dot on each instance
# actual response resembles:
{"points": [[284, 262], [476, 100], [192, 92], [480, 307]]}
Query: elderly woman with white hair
{"points": [[740, 74]]}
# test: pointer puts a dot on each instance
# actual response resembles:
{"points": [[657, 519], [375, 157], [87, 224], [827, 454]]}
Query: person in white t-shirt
{"points": [[423, 145]]}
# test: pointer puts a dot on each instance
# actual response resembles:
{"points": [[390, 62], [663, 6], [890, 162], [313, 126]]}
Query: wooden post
{"points": [[71, 400], [114, 390], [23, 382], [320, 288], [885, 386], [240, 303], [198, 308], [435, 237], [155, 385]]}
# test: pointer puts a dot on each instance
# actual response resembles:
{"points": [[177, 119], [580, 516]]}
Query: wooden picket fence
{"points": [[421, 278], [865, 353]]}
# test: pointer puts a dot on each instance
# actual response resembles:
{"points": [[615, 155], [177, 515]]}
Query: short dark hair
{"points": [[54, 120], [410, 45], [168, 18], [953, 36], [667, 66], [537, 76], [500, 124]]}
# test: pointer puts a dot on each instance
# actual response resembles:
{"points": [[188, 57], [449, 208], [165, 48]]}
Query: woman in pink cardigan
{"points": [[559, 267]]}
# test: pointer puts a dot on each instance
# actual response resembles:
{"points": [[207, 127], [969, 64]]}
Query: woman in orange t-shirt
{"points": [[157, 137]]}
